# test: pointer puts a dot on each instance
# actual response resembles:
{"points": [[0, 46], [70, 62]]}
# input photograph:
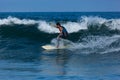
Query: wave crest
{"points": [[49, 27], [13, 20]]}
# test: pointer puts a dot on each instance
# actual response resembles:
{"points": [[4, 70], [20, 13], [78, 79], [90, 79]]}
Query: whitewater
{"points": [[49, 27]]}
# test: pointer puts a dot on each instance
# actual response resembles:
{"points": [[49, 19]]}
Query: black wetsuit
{"points": [[64, 33]]}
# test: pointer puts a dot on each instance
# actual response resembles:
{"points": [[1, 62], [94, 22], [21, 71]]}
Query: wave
{"points": [[91, 44], [96, 44], [13, 20], [35, 29], [84, 23], [87, 35]]}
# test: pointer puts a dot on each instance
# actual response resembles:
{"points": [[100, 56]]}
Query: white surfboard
{"points": [[50, 47]]}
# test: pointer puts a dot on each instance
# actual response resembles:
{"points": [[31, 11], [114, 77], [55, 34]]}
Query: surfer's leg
{"points": [[58, 42], [64, 42]]}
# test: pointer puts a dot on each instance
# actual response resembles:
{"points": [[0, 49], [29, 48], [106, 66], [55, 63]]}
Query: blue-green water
{"points": [[95, 55]]}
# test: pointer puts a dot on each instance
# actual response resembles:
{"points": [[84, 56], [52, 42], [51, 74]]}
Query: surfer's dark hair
{"points": [[58, 23]]}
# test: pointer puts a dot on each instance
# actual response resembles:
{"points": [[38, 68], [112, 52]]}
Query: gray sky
{"points": [[58, 5]]}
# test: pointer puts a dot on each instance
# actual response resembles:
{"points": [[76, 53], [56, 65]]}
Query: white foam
{"points": [[74, 26], [81, 25], [71, 27], [13, 20], [63, 43], [46, 27], [93, 20], [96, 44], [113, 24], [91, 44], [111, 50]]}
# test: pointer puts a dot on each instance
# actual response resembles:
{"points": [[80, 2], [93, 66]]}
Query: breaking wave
{"points": [[49, 27], [87, 35]]}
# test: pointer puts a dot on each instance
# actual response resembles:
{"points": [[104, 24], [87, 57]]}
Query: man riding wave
{"points": [[63, 33]]}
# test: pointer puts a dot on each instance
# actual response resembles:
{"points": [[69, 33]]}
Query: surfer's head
{"points": [[58, 25]]}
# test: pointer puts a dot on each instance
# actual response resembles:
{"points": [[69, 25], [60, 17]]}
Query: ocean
{"points": [[94, 53]]}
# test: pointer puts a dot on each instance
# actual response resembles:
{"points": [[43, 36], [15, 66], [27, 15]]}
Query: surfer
{"points": [[63, 33]]}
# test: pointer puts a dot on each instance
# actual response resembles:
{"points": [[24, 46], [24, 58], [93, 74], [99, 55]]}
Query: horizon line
{"points": [[53, 11]]}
